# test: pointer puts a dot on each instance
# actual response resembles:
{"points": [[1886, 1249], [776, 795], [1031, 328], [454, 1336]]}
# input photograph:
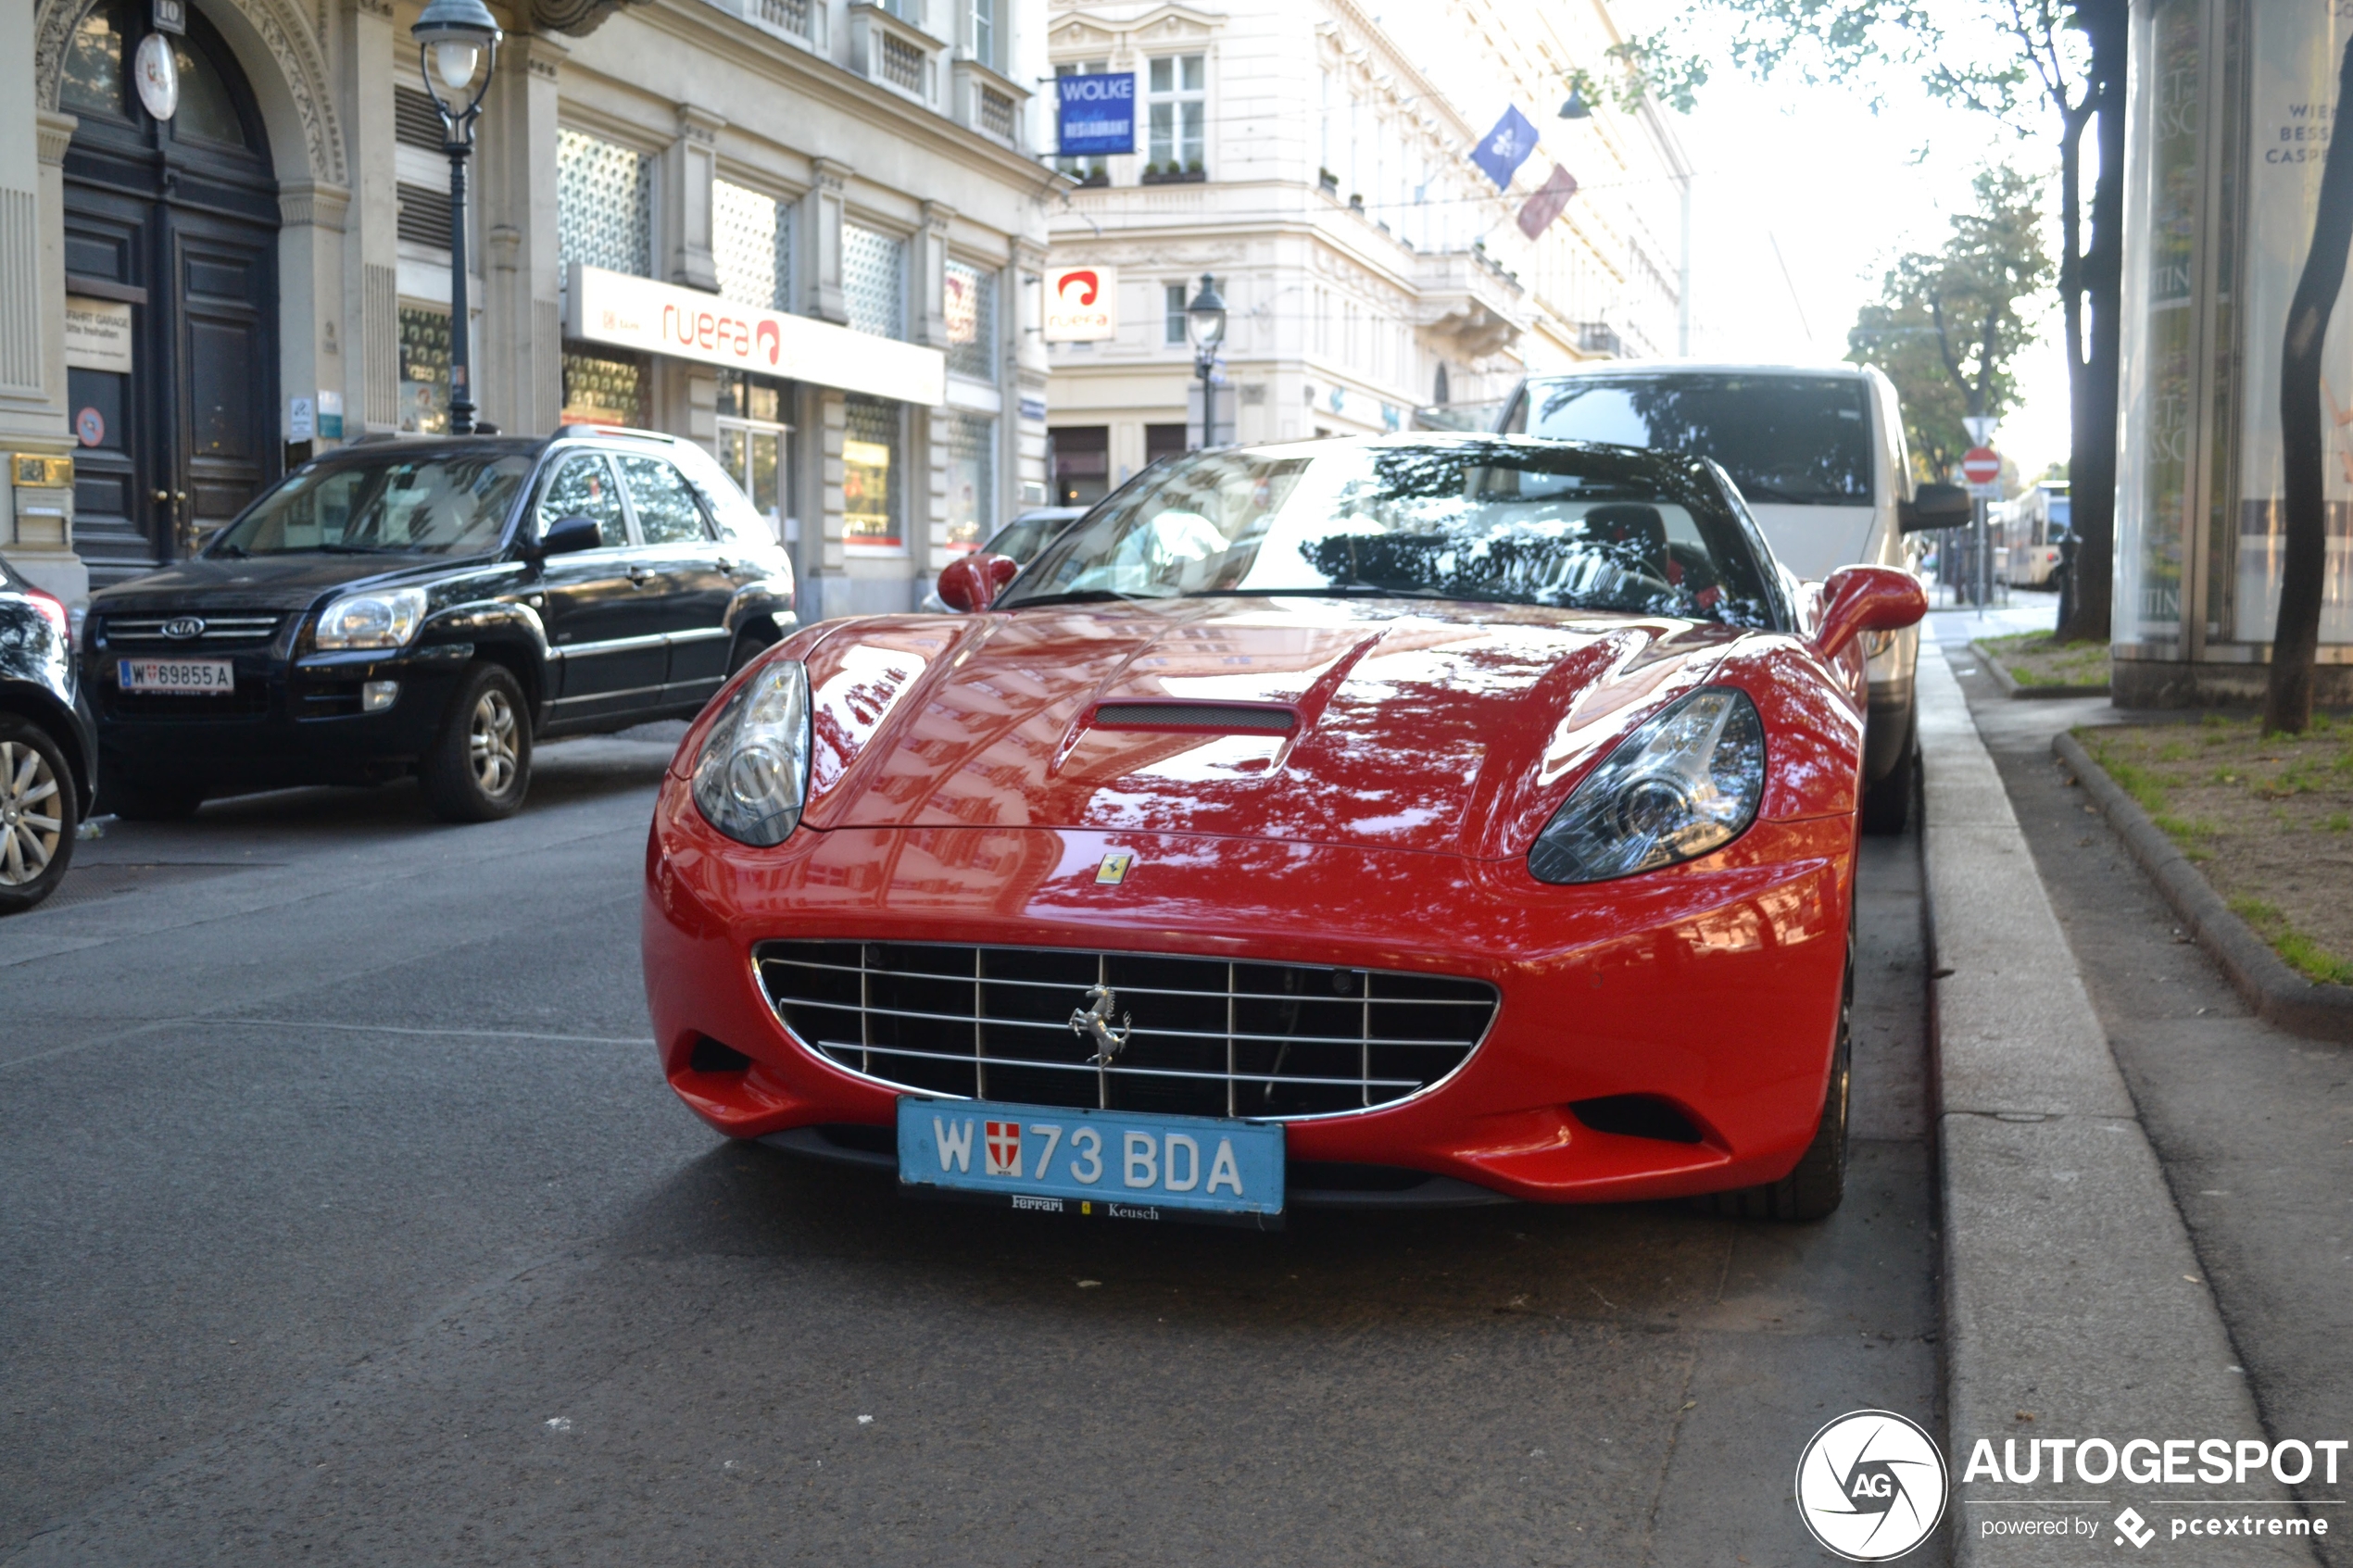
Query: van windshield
{"points": [[1785, 439]]}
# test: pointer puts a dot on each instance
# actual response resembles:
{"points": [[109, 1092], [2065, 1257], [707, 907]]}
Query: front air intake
{"points": [[1226, 717]]}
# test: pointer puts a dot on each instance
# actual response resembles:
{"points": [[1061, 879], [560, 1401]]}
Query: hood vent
{"points": [[1229, 717]]}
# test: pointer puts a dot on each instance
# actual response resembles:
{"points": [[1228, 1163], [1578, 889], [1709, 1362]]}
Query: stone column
{"points": [[515, 152], [818, 232], [311, 234], [927, 276], [820, 562], [36, 483], [370, 357], [687, 170], [1027, 377]]}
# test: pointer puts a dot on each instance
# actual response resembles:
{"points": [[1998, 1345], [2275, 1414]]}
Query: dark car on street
{"points": [[48, 750], [432, 608], [1019, 540]]}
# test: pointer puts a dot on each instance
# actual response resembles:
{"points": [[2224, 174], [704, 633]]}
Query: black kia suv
{"points": [[430, 607]]}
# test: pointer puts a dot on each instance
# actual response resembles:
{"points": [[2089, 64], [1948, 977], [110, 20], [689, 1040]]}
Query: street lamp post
{"points": [[1205, 324], [452, 37]]}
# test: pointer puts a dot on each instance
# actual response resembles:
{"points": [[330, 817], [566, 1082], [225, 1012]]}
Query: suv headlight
{"points": [[1684, 782], [385, 618], [752, 776]]}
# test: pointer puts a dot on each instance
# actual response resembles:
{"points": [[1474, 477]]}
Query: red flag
{"points": [[1548, 203]]}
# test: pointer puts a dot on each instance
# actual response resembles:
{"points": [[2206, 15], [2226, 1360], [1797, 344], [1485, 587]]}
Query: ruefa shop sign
{"points": [[1082, 304], [660, 319]]}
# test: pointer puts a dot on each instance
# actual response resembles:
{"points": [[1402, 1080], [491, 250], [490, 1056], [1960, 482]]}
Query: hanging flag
{"points": [[1548, 203], [1505, 149]]}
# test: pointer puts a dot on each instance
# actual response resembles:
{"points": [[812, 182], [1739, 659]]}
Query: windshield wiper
{"points": [[1331, 590], [236, 551], [342, 549], [1087, 595], [1790, 497]]}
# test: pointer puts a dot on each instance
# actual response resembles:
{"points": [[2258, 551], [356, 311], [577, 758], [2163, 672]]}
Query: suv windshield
{"points": [[453, 504], [1784, 439], [1492, 521]]}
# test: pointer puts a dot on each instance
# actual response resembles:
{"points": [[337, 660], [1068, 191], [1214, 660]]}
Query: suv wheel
{"points": [[1887, 805], [37, 815], [480, 765], [144, 798]]}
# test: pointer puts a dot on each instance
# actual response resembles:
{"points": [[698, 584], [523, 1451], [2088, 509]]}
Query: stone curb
{"points": [[2073, 1298], [2010, 688], [2277, 993]]}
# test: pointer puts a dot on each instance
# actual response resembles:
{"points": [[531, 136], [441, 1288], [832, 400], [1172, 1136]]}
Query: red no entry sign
{"points": [[1981, 465]]}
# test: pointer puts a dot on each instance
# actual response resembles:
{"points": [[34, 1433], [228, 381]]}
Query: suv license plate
{"points": [[1109, 1165], [200, 677]]}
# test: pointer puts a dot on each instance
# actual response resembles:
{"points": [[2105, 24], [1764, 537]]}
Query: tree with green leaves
{"points": [[2018, 60], [1950, 324]]}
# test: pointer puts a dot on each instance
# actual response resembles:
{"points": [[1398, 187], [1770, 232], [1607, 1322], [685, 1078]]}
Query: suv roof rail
{"points": [[574, 429]]}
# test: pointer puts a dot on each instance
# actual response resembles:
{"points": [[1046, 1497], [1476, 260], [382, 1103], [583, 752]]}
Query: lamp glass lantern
{"points": [[453, 37], [1205, 317]]}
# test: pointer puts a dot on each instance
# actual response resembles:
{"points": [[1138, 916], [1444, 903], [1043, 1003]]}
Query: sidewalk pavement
{"points": [[2253, 1126], [2075, 1305]]}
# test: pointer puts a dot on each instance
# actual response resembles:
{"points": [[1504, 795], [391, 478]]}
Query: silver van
{"points": [[1819, 455]]}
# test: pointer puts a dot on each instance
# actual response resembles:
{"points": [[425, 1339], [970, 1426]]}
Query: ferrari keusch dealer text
{"points": [[1399, 821]]}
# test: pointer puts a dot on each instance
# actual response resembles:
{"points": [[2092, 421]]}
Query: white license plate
{"points": [[203, 677]]}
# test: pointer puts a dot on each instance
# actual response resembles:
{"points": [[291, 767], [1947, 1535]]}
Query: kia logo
{"points": [[1080, 281], [184, 627]]}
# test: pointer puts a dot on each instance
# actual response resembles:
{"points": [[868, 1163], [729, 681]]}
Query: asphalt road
{"points": [[347, 1221]]}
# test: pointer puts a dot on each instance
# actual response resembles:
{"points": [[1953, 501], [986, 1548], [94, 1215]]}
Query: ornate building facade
{"points": [[1315, 157], [191, 301]]}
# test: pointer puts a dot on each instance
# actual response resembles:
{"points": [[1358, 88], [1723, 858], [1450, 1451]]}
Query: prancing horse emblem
{"points": [[1094, 1021]]}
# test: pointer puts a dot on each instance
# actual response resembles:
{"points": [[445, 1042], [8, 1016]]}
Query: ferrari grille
{"points": [[1125, 1031]]}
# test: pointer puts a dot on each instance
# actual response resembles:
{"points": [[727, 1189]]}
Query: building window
{"points": [[984, 33], [1082, 464], [871, 504], [424, 370], [755, 442], [1177, 106], [1163, 441], [972, 481], [972, 322], [874, 280], [752, 244], [1086, 171], [604, 204], [602, 390], [93, 78], [1172, 324]]}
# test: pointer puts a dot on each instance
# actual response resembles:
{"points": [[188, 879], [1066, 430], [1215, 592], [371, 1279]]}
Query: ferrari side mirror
{"points": [[973, 582], [1867, 598]]}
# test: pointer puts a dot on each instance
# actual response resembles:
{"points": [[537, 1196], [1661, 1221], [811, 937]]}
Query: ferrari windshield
{"points": [[1502, 521], [445, 505]]}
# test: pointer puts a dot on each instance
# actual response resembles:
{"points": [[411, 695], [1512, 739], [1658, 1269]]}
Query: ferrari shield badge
{"points": [[1113, 871]]}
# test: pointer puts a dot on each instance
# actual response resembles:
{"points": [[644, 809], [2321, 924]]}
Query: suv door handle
{"points": [[638, 574]]}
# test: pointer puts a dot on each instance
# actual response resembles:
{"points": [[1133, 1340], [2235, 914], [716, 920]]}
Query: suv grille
{"points": [[1210, 1037], [237, 631]]}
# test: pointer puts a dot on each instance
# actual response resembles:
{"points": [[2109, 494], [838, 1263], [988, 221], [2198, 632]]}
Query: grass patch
{"points": [[2037, 659], [2303, 955]]}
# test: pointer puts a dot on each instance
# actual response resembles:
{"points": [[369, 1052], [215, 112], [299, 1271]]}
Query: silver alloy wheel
{"points": [[29, 835], [490, 742]]}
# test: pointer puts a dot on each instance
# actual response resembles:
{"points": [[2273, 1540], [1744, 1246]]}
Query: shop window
{"points": [[1086, 171], [751, 242], [871, 505], [667, 510], [874, 280], [1082, 464], [972, 481], [424, 370], [1177, 109], [93, 82], [1162, 441], [604, 204], [972, 322], [755, 442], [599, 390]]}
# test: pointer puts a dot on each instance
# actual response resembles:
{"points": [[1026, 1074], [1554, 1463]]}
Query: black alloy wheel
{"points": [[37, 814], [750, 643], [479, 767]]}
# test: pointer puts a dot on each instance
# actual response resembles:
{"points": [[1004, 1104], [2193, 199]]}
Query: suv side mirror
{"points": [[974, 583], [1934, 506], [568, 535], [1867, 598]]}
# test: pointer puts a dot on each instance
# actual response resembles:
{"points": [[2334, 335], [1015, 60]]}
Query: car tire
{"points": [[750, 643], [1816, 1184], [143, 798], [479, 767], [38, 814], [1887, 805]]}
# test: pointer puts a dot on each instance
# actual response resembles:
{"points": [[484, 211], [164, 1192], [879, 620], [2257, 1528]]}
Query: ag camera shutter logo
{"points": [[1871, 1485]]}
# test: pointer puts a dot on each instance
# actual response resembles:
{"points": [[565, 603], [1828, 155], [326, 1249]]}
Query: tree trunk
{"points": [[2304, 513], [2092, 459]]}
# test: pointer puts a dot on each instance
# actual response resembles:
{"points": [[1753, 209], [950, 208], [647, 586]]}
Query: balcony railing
{"points": [[895, 54], [987, 101]]}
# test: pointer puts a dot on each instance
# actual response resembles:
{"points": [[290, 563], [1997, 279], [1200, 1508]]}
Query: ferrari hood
{"points": [[1383, 723]]}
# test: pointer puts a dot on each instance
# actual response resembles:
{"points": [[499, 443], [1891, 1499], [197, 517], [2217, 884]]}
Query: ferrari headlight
{"points": [[1686, 782], [752, 777], [385, 618]]}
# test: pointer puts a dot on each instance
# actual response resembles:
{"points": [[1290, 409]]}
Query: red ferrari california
{"points": [[1406, 822]]}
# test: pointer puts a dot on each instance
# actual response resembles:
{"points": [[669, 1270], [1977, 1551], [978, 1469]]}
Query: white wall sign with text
{"points": [[97, 335], [660, 319], [1082, 304]]}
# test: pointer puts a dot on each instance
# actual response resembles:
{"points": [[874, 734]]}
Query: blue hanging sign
{"points": [[1095, 115]]}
